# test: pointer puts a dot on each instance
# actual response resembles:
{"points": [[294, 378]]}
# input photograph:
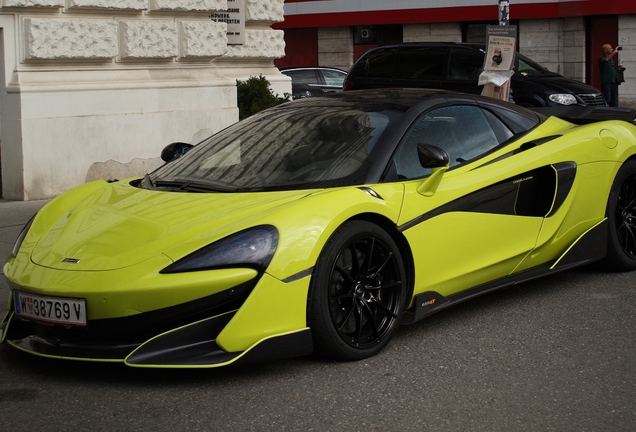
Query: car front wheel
{"points": [[621, 214], [358, 292]]}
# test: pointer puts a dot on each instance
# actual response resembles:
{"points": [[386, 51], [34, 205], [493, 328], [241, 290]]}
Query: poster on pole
{"points": [[501, 42], [500, 47], [234, 17]]}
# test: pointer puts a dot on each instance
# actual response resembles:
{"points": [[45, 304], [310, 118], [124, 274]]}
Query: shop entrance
{"points": [[601, 30]]}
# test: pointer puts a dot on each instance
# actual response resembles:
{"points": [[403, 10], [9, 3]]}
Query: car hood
{"points": [[120, 225], [560, 84]]}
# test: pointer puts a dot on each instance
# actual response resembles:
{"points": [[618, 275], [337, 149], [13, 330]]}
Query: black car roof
{"points": [[403, 99]]}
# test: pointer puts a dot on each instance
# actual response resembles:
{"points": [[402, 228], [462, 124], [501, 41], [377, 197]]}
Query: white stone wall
{"points": [[627, 39], [96, 88], [542, 41], [335, 47], [432, 32], [574, 48]]}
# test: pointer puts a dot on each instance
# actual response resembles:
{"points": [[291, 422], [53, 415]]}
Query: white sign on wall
{"points": [[234, 17]]}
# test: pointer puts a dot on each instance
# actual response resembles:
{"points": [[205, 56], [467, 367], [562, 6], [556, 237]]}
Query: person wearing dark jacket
{"points": [[609, 85]]}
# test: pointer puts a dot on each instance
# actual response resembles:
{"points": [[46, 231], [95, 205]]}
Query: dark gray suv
{"points": [[456, 66]]}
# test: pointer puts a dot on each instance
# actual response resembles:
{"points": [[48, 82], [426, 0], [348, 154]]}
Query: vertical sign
{"points": [[234, 17], [498, 62], [504, 12]]}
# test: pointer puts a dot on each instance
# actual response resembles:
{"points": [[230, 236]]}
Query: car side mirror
{"points": [[174, 151], [438, 161], [432, 156]]}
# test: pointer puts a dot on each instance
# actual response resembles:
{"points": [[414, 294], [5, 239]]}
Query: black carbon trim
{"points": [[132, 330], [290, 345], [566, 173], [527, 194], [414, 314], [371, 192], [299, 275], [194, 344], [591, 247], [111, 352]]}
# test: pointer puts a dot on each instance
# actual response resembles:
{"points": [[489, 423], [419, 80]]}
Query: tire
{"points": [[621, 214], [356, 305]]}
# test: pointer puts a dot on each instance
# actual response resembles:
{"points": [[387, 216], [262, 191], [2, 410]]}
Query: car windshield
{"points": [[293, 146]]}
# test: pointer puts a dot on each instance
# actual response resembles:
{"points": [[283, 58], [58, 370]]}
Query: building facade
{"points": [[93, 89], [564, 35]]}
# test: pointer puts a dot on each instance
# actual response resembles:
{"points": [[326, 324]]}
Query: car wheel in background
{"points": [[357, 293]]}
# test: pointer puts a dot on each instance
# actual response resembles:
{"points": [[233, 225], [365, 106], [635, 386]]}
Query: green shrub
{"points": [[255, 95]]}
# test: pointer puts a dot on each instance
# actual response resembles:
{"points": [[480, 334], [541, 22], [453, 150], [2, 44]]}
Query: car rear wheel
{"points": [[621, 214], [357, 293]]}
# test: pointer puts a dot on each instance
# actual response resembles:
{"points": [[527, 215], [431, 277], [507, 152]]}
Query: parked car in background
{"points": [[325, 78], [457, 66], [305, 90]]}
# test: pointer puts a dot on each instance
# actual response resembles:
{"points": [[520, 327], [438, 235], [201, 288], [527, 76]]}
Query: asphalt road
{"points": [[557, 354]]}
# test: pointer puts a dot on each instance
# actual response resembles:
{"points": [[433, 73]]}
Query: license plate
{"points": [[59, 310]]}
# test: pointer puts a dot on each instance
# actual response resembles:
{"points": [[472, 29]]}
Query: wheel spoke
{"points": [[368, 259], [345, 274], [385, 308], [341, 296], [355, 265], [386, 261], [346, 319], [630, 239], [359, 323], [370, 319], [392, 285]]}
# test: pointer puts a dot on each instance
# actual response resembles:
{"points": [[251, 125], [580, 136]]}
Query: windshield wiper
{"points": [[194, 186]]}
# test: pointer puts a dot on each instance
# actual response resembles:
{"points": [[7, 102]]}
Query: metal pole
{"points": [[504, 12]]}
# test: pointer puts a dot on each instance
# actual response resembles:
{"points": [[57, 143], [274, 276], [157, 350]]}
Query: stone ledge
{"points": [[187, 5], [33, 3], [137, 5], [264, 10], [202, 39], [148, 39], [70, 38], [268, 44]]}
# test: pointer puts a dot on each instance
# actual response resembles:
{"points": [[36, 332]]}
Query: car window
{"points": [[420, 63], [375, 64], [462, 131], [307, 76], [333, 78], [465, 65]]}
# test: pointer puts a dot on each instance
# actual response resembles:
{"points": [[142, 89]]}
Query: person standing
{"points": [[606, 65]]}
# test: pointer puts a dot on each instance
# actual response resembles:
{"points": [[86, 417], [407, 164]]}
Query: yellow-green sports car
{"points": [[321, 225]]}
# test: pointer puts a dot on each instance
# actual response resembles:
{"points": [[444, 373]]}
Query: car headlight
{"points": [[253, 248], [21, 236], [563, 99]]}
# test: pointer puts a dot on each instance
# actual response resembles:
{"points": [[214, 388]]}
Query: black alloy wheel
{"points": [[621, 213], [358, 291]]}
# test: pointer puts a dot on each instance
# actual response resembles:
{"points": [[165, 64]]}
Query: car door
{"points": [[482, 219]]}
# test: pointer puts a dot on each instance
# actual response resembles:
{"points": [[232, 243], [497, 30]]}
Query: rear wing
{"points": [[583, 115]]}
